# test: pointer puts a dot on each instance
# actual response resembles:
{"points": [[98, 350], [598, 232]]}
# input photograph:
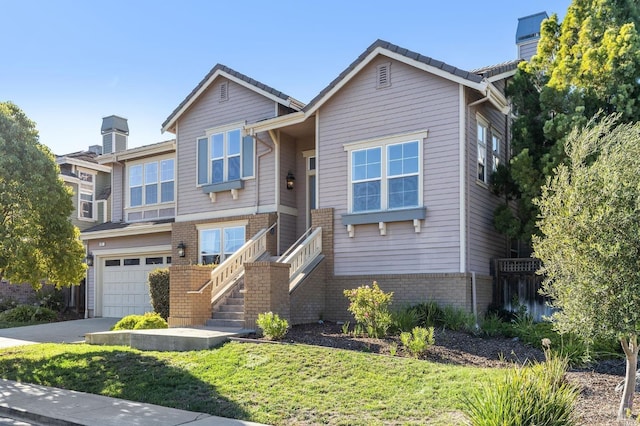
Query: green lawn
{"points": [[274, 384]]}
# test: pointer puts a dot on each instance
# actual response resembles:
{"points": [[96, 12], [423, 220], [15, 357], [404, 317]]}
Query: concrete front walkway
{"points": [[52, 406], [55, 332]]}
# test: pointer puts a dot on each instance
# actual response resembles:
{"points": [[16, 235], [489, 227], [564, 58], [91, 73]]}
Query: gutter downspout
{"points": [[474, 298], [275, 137], [462, 158]]}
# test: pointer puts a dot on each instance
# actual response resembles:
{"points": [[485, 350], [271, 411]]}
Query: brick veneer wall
{"points": [[187, 233], [186, 309], [447, 289], [324, 219], [266, 290], [308, 298], [21, 293]]}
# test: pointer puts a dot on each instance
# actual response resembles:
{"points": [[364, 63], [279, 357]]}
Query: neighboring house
{"points": [[137, 238], [382, 176], [90, 184]]}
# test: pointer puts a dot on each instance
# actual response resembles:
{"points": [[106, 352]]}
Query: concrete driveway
{"points": [[56, 332]]}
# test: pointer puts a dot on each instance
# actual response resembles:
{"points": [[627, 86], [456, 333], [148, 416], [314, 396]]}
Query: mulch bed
{"points": [[598, 401]]}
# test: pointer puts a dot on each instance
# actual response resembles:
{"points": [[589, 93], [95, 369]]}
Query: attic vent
{"points": [[383, 75], [224, 92]]}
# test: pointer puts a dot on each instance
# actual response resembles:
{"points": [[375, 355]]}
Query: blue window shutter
{"points": [[203, 161], [248, 156]]}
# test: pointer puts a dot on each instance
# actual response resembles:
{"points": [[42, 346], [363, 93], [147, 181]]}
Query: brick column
{"points": [[266, 287], [187, 309]]}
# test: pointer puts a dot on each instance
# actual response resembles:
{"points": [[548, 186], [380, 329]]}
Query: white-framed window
{"points": [[224, 155], [495, 148], [386, 173], [151, 182], [216, 243], [481, 142], [85, 209]]}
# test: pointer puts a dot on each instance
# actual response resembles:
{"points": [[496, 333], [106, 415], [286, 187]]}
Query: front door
{"points": [[310, 167]]}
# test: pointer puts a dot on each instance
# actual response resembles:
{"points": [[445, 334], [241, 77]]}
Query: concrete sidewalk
{"points": [[52, 406]]}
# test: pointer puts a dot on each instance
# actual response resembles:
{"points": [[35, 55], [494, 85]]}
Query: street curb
{"points": [[35, 417]]}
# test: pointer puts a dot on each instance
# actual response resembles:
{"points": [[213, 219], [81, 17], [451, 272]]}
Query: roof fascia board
{"points": [[501, 76], [208, 83], [122, 232], [401, 58], [139, 152], [82, 163], [277, 122], [497, 99]]}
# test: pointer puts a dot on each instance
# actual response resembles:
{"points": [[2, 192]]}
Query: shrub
{"points": [[159, 291], [536, 394], [492, 326], [28, 313], [429, 314], [149, 320], [404, 319], [273, 327], [418, 340], [370, 308], [457, 319], [8, 303], [51, 298]]}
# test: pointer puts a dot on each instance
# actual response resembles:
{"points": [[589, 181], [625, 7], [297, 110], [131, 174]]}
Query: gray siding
{"points": [[484, 242], [415, 101], [527, 50], [208, 112], [117, 192], [287, 231]]}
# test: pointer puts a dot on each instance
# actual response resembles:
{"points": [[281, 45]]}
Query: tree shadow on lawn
{"points": [[122, 374]]}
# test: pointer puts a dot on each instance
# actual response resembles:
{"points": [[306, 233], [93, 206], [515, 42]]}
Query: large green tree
{"points": [[590, 242], [589, 63], [37, 240]]}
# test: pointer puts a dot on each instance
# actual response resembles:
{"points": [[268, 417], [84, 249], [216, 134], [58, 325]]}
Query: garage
{"points": [[125, 288]]}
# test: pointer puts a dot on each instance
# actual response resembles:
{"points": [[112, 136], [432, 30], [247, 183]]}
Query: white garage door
{"points": [[125, 288]]}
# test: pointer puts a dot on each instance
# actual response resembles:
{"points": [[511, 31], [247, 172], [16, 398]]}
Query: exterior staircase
{"points": [[230, 311]]}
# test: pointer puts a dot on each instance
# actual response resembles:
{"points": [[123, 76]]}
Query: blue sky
{"points": [[69, 63]]}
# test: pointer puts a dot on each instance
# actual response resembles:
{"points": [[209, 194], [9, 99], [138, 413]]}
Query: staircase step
{"points": [[225, 323], [235, 301], [228, 315], [231, 308]]}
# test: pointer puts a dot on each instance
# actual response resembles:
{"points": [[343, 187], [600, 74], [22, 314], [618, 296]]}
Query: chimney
{"points": [[528, 34], [96, 149], [115, 132]]}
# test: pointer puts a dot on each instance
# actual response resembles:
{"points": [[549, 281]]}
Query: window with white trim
{"points": [[224, 156], [86, 205], [217, 244], [482, 135], [386, 175], [152, 182], [495, 148]]}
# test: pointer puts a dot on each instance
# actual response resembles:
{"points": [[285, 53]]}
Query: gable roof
{"points": [[426, 63], [504, 68], [222, 70]]}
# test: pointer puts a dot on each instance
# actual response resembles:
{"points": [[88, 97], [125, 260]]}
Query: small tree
{"points": [[159, 291], [590, 243], [37, 240]]}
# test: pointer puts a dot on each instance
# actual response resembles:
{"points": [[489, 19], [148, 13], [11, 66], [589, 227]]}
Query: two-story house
{"points": [[383, 176]]}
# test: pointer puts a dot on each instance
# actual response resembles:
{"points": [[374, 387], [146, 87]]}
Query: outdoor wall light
{"points": [[290, 180], [181, 248], [89, 259]]}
